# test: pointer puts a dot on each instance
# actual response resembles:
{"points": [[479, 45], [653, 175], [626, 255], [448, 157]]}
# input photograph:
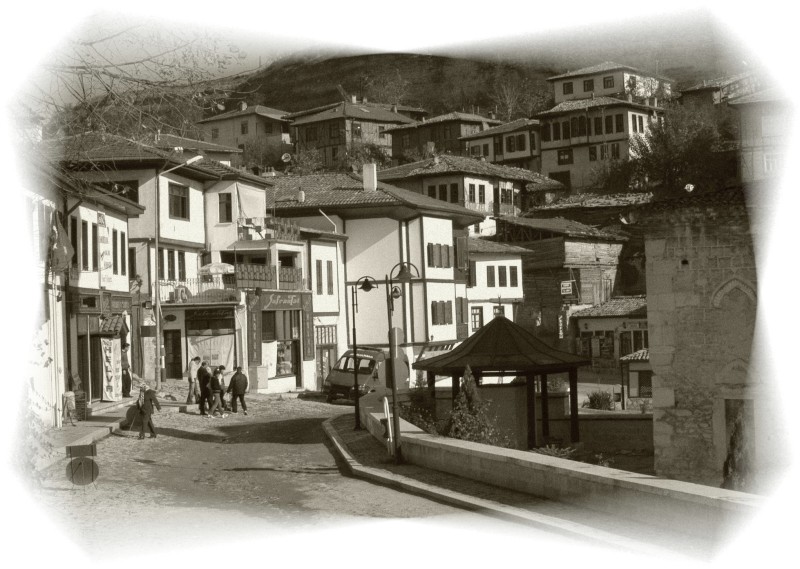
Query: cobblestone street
{"points": [[250, 477]]}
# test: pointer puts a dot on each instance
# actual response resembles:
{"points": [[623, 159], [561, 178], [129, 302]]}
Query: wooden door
{"points": [[173, 354]]}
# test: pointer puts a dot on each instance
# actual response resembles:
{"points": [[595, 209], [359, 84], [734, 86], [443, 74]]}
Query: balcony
{"points": [[493, 208], [249, 275], [202, 290]]}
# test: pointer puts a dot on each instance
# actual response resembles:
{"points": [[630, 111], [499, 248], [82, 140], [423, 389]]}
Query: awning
{"points": [[113, 325], [436, 349]]}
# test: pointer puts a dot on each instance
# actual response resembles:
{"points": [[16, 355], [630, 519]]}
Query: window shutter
{"points": [[448, 312], [434, 314], [447, 260], [430, 254], [473, 278], [437, 255]]}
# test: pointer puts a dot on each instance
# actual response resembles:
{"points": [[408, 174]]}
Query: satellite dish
{"points": [[286, 157], [689, 187]]}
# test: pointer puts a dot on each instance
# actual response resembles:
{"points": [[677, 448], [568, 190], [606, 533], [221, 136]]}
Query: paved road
{"points": [[241, 477]]}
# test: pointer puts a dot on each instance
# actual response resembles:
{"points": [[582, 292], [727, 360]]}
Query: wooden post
{"points": [[573, 405], [530, 387], [455, 388], [432, 390], [545, 409]]}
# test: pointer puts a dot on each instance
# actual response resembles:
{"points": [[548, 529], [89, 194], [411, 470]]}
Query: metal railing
{"points": [[200, 290]]}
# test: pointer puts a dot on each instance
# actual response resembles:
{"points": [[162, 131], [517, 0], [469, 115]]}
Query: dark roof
{"points": [[642, 355], [449, 164], [116, 151], [630, 306], [727, 197], [717, 83], [260, 110], [600, 68], [773, 95], [386, 106], [361, 111], [585, 104], [502, 345], [172, 141], [477, 245], [518, 124], [112, 324], [588, 200], [343, 193], [561, 226], [454, 116]]}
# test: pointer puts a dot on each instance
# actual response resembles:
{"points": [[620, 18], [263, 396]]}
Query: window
{"points": [[160, 263], [640, 383], [502, 277], [73, 237], [131, 262], [334, 153], [588, 85], [267, 127], [511, 144], [490, 276], [453, 193], [615, 151], [608, 82], [443, 192], [609, 124], [356, 130], [432, 192], [311, 134], [565, 156], [476, 315], [225, 208], [406, 140], [773, 162], [472, 193], [556, 131], [319, 276], [170, 264], [603, 151], [567, 88], [214, 133], [581, 126], [592, 153], [329, 266], [95, 248], [381, 133], [514, 278], [85, 245], [565, 132], [441, 312], [546, 132], [635, 124], [462, 305], [641, 123], [475, 150], [533, 140], [114, 252], [123, 250], [632, 341], [482, 194], [243, 127], [178, 202], [499, 310], [181, 265], [620, 121], [486, 149]]}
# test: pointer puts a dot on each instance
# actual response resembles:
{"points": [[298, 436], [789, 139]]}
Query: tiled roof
{"points": [[727, 197], [448, 164], [518, 124], [260, 110], [585, 104], [171, 141], [562, 226], [588, 200], [642, 355], [385, 106], [600, 68], [478, 245], [97, 148], [773, 95], [344, 191], [630, 306], [716, 83], [112, 324], [361, 111], [454, 116]]}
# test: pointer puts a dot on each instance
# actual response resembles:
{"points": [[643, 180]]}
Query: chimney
{"points": [[370, 177], [243, 105], [353, 99], [630, 98], [301, 196], [655, 101], [394, 108], [435, 159], [491, 114], [363, 99]]}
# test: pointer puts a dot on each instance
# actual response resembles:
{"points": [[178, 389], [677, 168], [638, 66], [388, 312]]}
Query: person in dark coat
{"points": [[216, 392], [237, 388], [126, 371], [147, 400], [203, 379]]}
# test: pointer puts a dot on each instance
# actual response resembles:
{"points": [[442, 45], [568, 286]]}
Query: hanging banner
{"points": [[104, 249], [216, 350], [112, 369]]}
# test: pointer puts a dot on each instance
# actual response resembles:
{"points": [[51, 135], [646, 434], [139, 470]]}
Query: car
{"points": [[371, 372]]}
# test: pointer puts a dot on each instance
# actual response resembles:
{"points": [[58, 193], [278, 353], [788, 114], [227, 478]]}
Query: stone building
{"points": [[713, 411]]}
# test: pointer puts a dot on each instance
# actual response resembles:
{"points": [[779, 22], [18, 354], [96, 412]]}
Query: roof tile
{"points": [[629, 306]]}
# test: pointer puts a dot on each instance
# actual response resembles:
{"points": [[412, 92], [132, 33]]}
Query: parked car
{"points": [[371, 363]]}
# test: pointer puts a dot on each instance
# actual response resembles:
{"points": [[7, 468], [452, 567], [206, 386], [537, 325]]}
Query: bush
{"points": [[600, 400], [556, 451], [419, 409], [469, 420]]}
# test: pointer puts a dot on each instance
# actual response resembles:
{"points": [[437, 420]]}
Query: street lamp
{"points": [[366, 284], [156, 286], [402, 272]]}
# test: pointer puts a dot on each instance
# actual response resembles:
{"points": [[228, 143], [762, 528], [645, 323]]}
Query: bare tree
{"points": [[507, 96]]}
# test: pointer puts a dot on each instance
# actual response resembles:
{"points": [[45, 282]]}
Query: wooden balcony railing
{"points": [[200, 290]]}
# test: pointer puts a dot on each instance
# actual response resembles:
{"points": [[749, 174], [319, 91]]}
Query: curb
{"points": [[509, 513]]}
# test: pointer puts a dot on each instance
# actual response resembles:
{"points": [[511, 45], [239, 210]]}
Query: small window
{"points": [[486, 149], [432, 192], [481, 194], [381, 133], [170, 264], [178, 201], [592, 154], [243, 127], [319, 276], [603, 151], [472, 193], [620, 122], [123, 250], [502, 277], [567, 88], [214, 133], [546, 132], [95, 247], [608, 82], [181, 265], [511, 144], [490, 276], [588, 85], [131, 261], [73, 237], [581, 126], [160, 263], [476, 315], [513, 276], [565, 131], [565, 156], [615, 151], [598, 125], [556, 131], [356, 130], [85, 246], [114, 254], [520, 142], [475, 150], [329, 266], [406, 139], [443, 192], [225, 208], [453, 193], [641, 123], [609, 124], [498, 311]]}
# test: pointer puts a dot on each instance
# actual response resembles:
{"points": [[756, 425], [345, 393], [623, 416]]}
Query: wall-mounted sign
{"points": [[170, 317], [566, 288], [281, 301]]}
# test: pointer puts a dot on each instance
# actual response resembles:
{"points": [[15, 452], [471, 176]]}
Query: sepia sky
{"points": [[30, 31]]}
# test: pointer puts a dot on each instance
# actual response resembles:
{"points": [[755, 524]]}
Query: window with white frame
{"points": [[476, 316], [178, 201]]}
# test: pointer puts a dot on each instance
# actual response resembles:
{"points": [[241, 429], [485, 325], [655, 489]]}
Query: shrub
{"points": [[469, 420], [418, 410], [600, 400], [556, 451]]}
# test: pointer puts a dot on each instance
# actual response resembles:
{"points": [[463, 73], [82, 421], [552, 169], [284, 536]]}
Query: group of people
{"points": [[207, 387]]}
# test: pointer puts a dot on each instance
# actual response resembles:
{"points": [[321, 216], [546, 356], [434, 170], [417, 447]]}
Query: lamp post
{"points": [[156, 287], [366, 284], [405, 271]]}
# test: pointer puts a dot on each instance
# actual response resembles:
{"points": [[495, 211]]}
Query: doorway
{"points": [[326, 357], [173, 354], [90, 365]]}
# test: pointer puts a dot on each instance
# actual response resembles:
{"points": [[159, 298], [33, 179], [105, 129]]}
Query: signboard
{"points": [[566, 288], [282, 301], [104, 248], [216, 350], [253, 332], [307, 316], [112, 369]]}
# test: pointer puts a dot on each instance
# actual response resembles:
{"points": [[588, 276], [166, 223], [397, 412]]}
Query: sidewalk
{"points": [[365, 457]]}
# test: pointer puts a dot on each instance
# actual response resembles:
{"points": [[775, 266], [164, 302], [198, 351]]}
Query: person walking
{"points": [[191, 372], [147, 400], [203, 380], [237, 388], [126, 373], [222, 389], [216, 390]]}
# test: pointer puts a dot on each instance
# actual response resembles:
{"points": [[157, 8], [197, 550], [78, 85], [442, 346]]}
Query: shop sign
{"points": [[281, 301], [566, 288]]}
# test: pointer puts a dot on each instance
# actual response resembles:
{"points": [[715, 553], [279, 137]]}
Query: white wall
{"points": [[325, 252], [246, 201]]}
